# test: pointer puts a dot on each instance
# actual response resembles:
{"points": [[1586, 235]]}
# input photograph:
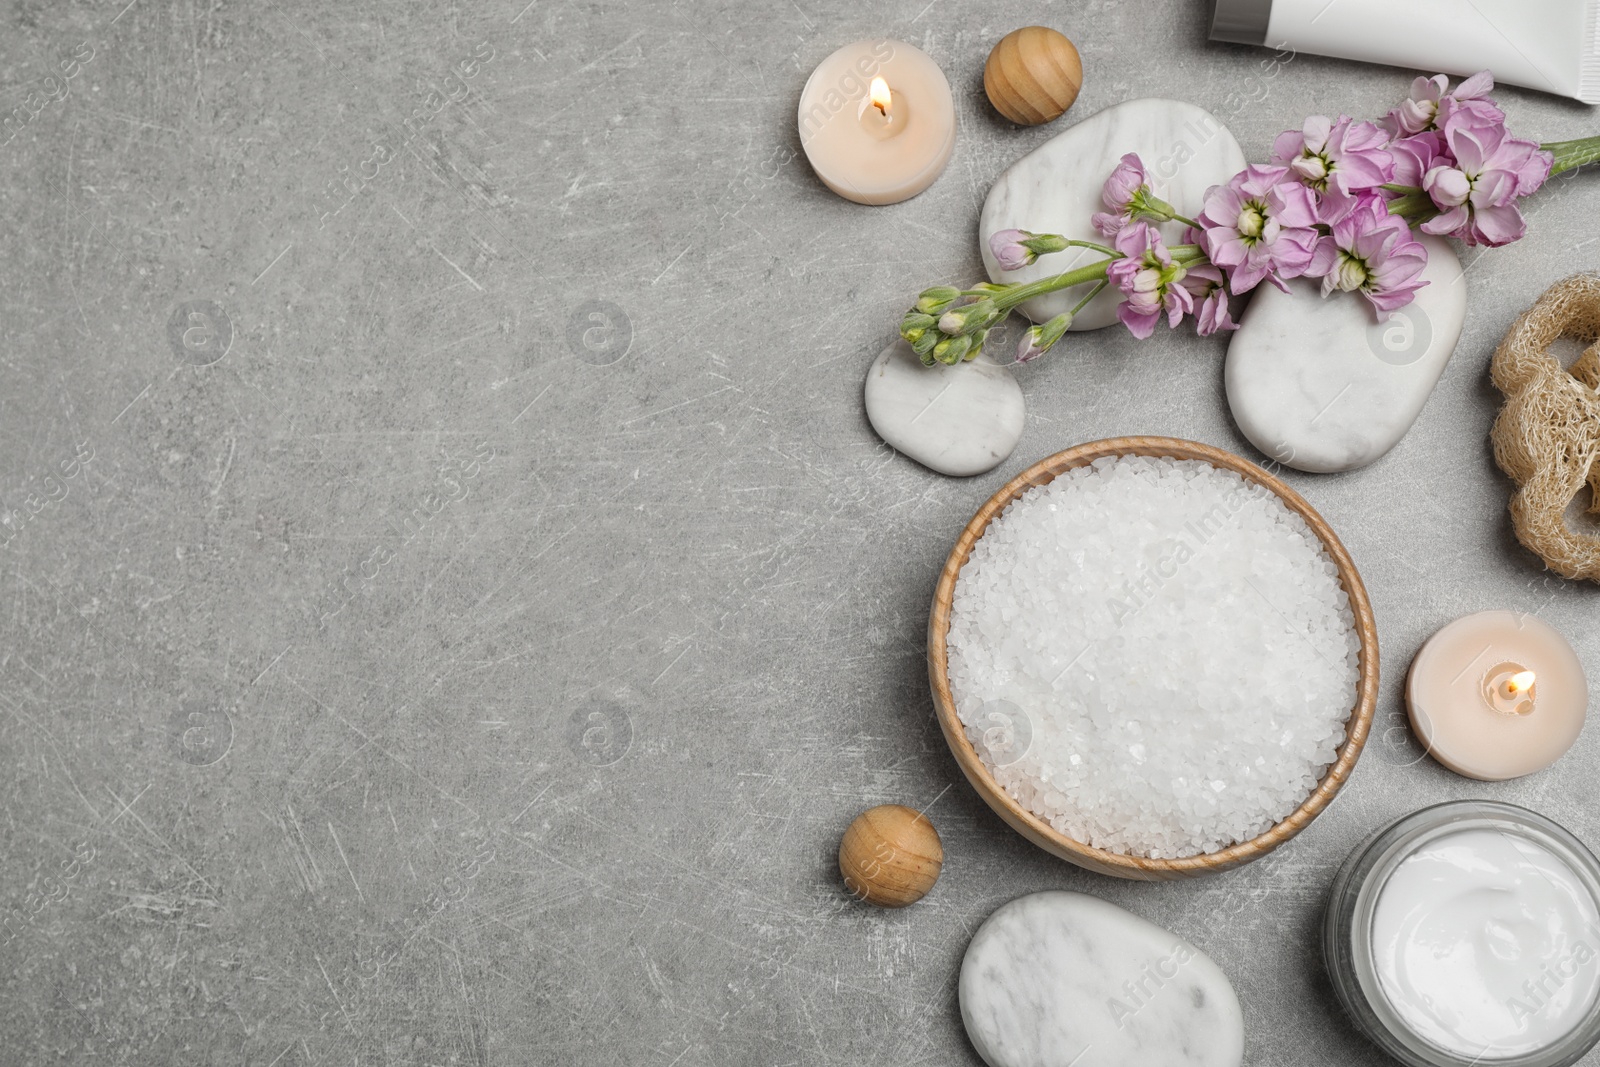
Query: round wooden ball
{"points": [[1033, 75], [890, 856]]}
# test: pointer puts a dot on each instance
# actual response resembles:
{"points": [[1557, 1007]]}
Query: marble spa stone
{"points": [[959, 420], [1056, 978], [1056, 189], [1332, 385]]}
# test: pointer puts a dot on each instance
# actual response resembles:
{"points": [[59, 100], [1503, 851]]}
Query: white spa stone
{"points": [[1059, 978], [959, 420], [1056, 189], [1329, 385]]}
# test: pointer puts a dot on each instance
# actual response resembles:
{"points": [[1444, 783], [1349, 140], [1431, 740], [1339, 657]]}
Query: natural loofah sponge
{"points": [[1547, 436]]}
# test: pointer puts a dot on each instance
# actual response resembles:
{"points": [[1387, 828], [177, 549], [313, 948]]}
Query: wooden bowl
{"points": [[1042, 833]]}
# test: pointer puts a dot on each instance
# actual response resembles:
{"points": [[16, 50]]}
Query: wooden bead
{"points": [[1033, 75], [890, 856]]}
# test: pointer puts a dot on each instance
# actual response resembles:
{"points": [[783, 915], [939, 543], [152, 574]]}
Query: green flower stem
{"points": [[1066, 280], [1414, 205], [1102, 249], [1099, 285], [999, 292], [1187, 222], [1094, 272], [1571, 154]]}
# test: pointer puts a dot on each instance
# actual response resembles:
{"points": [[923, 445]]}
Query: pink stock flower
{"points": [[1333, 206], [1009, 251], [1149, 279], [1208, 286], [1261, 225], [1477, 178], [1337, 202], [1124, 181], [1431, 102], [1346, 154], [1414, 156], [1471, 97], [1371, 252], [1119, 195]]}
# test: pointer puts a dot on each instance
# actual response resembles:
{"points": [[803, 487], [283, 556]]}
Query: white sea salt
{"points": [[1153, 655]]}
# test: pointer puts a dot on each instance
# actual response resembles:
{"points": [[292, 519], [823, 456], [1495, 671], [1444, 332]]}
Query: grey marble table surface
{"points": [[452, 600]]}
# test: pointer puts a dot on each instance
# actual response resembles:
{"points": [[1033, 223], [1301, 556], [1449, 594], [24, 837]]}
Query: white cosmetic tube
{"points": [[1552, 45]]}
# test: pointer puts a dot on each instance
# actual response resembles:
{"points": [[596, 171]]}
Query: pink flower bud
{"points": [[1447, 186], [1124, 182], [1009, 251], [1310, 168]]}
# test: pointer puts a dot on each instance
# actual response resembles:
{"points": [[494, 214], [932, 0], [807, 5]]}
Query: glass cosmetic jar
{"points": [[1468, 934]]}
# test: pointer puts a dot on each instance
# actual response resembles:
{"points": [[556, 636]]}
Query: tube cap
{"points": [[1241, 21]]}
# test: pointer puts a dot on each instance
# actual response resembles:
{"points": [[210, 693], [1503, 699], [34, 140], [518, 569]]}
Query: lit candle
{"points": [[877, 121], [1497, 695]]}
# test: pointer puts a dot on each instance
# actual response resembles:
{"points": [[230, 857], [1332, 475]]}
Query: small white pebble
{"points": [[1178, 646]]}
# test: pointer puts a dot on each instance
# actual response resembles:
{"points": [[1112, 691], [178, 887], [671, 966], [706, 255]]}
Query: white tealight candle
{"points": [[877, 121], [1497, 695]]}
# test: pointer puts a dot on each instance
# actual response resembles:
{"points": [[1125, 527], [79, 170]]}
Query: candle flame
{"points": [[1521, 682], [879, 96]]}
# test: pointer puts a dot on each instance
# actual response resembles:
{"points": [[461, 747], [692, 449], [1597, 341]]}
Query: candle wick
{"points": [[879, 96]]}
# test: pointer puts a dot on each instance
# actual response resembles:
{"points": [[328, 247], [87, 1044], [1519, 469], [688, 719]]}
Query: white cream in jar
{"points": [[1467, 935], [1485, 944]]}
